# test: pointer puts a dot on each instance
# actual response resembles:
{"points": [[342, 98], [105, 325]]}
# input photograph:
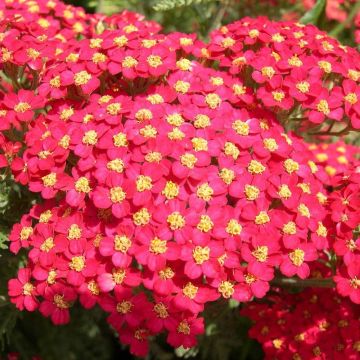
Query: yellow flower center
{"points": [[261, 253], [47, 245], [304, 210], [124, 307], [251, 192], [270, 144], [227, 175], [268, 71], [82, 78], [142, 217], [93, 287], [351, 98], [189, 160], [154, 61], [155, 99], [77, 263], [166, 273], [90, 138], [22, 107], [176, 221], [202, 121], [143, 183], [26, 232], [182, 86], [291, 166], [116, 165], [60, 302], [213, 100], [55, 82], [205, 192], [241, 127], [205, 224], [297, 257], [171, 190], [233, 227], [183, 328], [201, 254], [118, 276], [120, 140], [199, 144], [303, 86], [226, 289], [82, 185], [158, 246], [190, 290], [278, 95], [289, 228], [161, 310], [122, 243], [74, 232], [256, 167], [143, 115], [262, 218], [284, 192], [323, 107], [49, 180], [28, 288], [117, 194], [129, 62]]}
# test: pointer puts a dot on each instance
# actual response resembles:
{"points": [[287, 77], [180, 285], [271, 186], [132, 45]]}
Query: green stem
{"points": [[295, 282]]}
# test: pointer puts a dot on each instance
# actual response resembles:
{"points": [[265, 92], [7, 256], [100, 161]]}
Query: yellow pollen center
{"points": [[154, 61], [201, 254], [190, 290], [304, 210], [82, 185], [118, 276], [351, 98], [77, 263], [117, 194], [303, 86], [227, 175], [183, 328], [262, 218], [90, 138], [202, 121], [278, 95], [297, 257], [124, 307], [60, 302], [270, 144], [182, 87], [161, 310], [204, 192], [120, 140], [268, 71], [226, 289], [116, 165], [158, 246], [205, 224], [251, 192], [47, 245], [129, 62], [142, 217], [291, 166], [122, 243], [256, 167], [213, 100], [241, 127], [289, 228], [82, 78], [284, 192], [189, 160], [233, 227], [74, 232], [323, 107], [176, 221], [28, 288], [171, 190], [261, 253], [49, 180], [22, 107], [143, 183], [26, 232], [55, 82]]}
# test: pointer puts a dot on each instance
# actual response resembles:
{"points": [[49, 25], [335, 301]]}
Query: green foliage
{"points": [[313, 15], [165, 5]]}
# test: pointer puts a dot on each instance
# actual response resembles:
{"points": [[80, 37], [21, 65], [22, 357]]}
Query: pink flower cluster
{"points": [[314, 324], [166, 178]]}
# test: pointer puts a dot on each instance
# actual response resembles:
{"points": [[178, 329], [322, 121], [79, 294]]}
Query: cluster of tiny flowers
{"points": [[306, 77], [314, 324], [165, 184]]}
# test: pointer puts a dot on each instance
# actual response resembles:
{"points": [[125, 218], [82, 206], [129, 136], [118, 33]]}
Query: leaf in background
{"points": [[314, 14], [164, 5]]}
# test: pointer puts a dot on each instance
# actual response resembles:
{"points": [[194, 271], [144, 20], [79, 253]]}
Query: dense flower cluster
{"points": [[299, 72], [166, 176], [314, 324]]}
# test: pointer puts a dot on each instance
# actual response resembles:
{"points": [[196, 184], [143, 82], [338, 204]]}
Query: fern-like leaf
{"points": [[165, 5]]}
